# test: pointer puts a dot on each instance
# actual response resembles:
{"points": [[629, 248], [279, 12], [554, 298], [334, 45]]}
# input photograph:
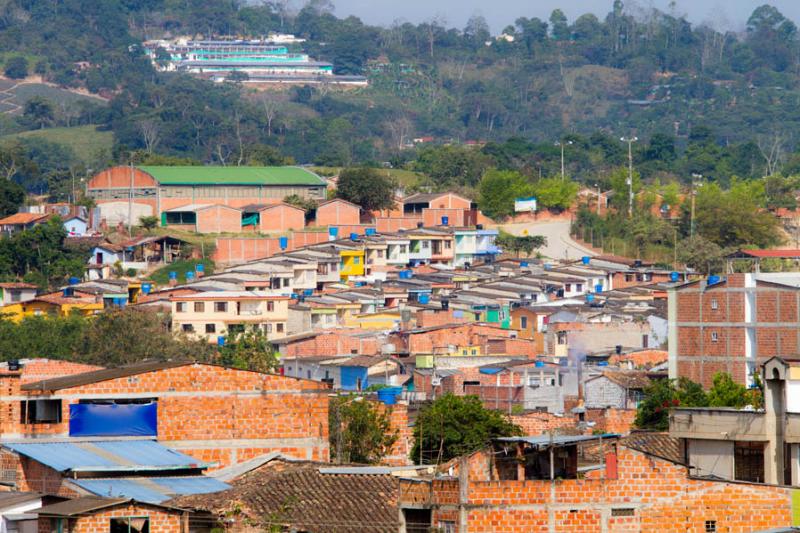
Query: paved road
{"points": [[559, 243]]}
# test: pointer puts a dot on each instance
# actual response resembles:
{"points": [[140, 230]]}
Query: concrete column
{"points": [[463, 494], [773, 423], [672, 333], [795, 459]]}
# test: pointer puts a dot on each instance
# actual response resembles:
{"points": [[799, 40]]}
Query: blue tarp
{"points": [[112, 420]]}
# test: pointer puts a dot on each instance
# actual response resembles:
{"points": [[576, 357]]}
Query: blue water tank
{"points": [[424, 298], [147, 287], [712, 280], [602, 363], [674, 277], [333, 231], [548, 266], [598, 287], [539, 364], [589, 298], [445, 221], [283, 242], [585, 259], [388, 395], [220, 340], [173, 275], [404, 274], [74, 281], [190, 275], [200, 267], [354, 236], [523, 264], [308, 292], [370, 231]]}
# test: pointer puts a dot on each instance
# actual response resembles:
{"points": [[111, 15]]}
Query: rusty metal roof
{"points": [[87, 378]]}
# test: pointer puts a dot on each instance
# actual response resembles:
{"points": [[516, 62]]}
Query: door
{"points": [[99, 258]]}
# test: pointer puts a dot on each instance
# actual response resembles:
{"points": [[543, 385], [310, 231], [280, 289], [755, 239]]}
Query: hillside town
{"points": [[360, 331], [286, 266]]}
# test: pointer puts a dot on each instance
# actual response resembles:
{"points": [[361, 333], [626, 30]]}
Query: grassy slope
{"points": [[161, 276], [85, 141]]}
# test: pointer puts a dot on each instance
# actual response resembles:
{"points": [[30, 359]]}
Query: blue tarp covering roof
{"points": [[153, 490], [106, 456]]}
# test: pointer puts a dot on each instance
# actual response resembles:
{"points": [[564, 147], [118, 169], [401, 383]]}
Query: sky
{"points": [[720, 14]]}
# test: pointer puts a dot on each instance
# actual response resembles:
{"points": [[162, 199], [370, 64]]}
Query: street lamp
{"points": [[562, 144], [696, 182], [630, 141], [597, 186]]}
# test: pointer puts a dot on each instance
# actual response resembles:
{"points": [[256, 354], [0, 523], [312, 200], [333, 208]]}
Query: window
{"points": [[279, 327], [199, 307], [187, 328], [645, 341], [180, 307], [714, 304], [561, 337], [270, 306], [40, 412], [380, 254], [579, 287], [16, 296], [711, 526], [221, 307], [356, 260], [628, 277], [131, 524], [748, 461], [448, 245], [567, 287], [714, 336], [523, 322], [625, 511], [447, 526], [211, 328], [268, 328]]}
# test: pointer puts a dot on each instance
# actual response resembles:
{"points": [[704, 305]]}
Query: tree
{"points": [[455, 425], [498, 189], [727, 393], [701, 254], [367, 188], [359, 430], [149, 223], [39, 110], [17, 68], [555, 193], [249, 350], [663, 395], [559, 26]]}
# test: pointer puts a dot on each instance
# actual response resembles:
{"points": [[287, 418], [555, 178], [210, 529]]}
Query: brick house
{"points": [[338, 212], [639, 484], [273, 218], [616, 389], [204, 218], [732, 325], [100, 515], [216, 414]]}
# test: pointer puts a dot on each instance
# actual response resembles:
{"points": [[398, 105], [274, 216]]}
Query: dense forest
{"points": [[700, 100]]}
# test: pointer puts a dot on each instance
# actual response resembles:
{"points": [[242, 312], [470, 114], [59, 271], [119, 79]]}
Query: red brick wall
{"points": [[337, 213], [661, 494], [541, 423], [398, 420], [393, 224], [161, 520], [219, 219], [612, 420], [332, 343], [229, 408], [281, 218], [120, 177], [456, 217], [427, 318]]}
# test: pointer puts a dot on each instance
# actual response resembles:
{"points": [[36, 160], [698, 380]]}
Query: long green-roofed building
{"points": [[126, 193]]}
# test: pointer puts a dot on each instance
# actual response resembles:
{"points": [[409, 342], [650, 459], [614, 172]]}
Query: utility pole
{"points": [[630, 141], [597, 185], [696, 182], [562, 144]]}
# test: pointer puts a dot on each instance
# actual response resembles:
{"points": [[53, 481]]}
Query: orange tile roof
{"points": [[22, 218]]}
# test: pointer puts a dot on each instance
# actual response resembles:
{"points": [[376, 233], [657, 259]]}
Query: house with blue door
{"points": [[348, 373]]}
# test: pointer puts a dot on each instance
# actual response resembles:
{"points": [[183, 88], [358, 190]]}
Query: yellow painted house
{"points": [[351, 263], [381, 320], [51, 305]]}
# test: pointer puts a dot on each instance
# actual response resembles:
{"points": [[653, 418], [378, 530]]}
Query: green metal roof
{"points": [[207, 175]]}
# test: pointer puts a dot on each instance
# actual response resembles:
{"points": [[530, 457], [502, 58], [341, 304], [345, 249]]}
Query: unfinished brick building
{"points": [[640, 486], [218, 415], [732, 325]]}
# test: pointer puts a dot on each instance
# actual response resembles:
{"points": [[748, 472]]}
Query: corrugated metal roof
{"points": [[105, 456], [152, 490], [544, 441], [207, 175]]}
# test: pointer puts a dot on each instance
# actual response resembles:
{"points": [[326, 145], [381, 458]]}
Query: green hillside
{"points": [[84, 141]]}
